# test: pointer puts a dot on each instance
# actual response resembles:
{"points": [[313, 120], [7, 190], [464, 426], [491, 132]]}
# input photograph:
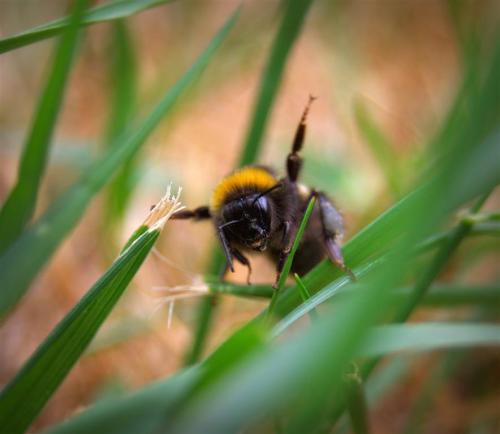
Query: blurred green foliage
{"points": [[253, 379]]}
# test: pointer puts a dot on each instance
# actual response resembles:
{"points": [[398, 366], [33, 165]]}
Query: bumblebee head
{"points": [[247, 220]]}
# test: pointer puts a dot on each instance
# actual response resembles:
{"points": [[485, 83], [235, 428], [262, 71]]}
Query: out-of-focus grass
{"points": [[261, 376], [44, 236], [18, 208], [107, 12], [123, 81]]}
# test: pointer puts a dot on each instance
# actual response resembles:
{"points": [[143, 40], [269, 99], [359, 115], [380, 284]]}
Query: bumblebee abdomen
{"points": [[240, 182]]}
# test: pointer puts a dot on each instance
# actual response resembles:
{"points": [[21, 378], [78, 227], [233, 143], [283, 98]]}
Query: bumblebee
{"points": [[253, 209]]}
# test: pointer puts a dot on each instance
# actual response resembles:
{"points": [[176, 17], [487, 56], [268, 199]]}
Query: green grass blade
{"points": [[144, 411], [107, 12], [459, 295], [288, 263], [26, 394], [24, 397], [291, 23], [20, 204], [294, 15], [17, 268], [261, 385], [259, 291], [150, 409], [430, 273], [305, 294], [428, 337], [441, 296], [356, 405], [380, 147], [440, 259], [123, 100]]}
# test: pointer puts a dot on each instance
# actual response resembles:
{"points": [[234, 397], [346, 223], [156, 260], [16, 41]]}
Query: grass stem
{"points": [[288, 264]]}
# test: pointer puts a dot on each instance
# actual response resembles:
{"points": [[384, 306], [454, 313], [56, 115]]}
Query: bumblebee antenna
{"points": [[264, 193], [229, 223]]}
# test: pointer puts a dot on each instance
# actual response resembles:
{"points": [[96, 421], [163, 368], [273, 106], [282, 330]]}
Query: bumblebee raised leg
{"points": [[293, 166], [294, 160]]}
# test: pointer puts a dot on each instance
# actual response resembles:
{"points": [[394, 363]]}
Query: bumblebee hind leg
{"points": [[333, 230]]}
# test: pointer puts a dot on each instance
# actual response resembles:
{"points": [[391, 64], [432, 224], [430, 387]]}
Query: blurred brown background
{"points": [[399, 58]]}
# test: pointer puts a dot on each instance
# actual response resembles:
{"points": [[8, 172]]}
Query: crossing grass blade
{"points": [[20, 204], [18, 269], [24, 397], [288, 263], [108, 12]]}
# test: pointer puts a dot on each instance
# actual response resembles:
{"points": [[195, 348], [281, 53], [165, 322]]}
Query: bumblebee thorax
{"points": [[247, 180]]}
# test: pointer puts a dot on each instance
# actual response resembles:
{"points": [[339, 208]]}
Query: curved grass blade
{"points": [[20, 204], [107, 12], [291, 23], [17, 267], [24, 397]]}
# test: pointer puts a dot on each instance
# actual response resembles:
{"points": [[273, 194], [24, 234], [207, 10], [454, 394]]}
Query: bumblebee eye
{"points": [[262, 211]]}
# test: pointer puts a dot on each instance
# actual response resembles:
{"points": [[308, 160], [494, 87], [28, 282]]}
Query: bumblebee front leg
{"points": [[333, 230], [200, 213], [294, 160], [242, 259], [231, 252]]}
